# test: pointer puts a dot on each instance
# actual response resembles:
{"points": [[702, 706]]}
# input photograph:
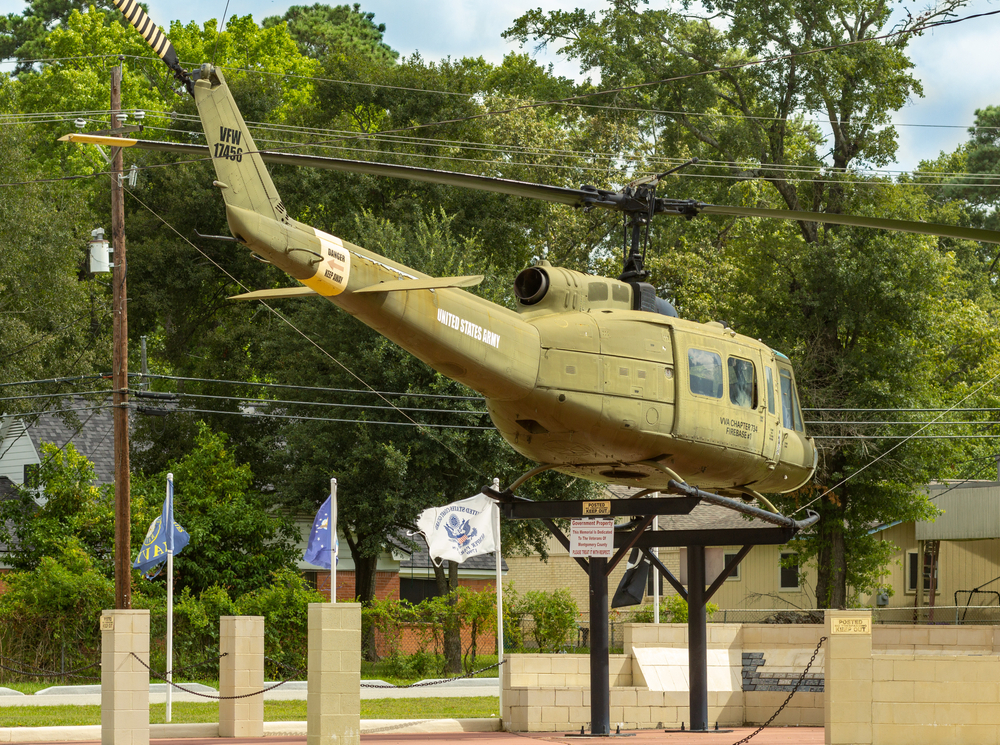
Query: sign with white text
{"points": [[592, 538]]}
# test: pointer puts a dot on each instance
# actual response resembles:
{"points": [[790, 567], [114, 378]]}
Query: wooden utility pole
{"points": [[119, 364]]}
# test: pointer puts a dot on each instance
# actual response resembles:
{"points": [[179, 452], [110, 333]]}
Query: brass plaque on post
{"points": [[597, 508], [107, 623], [851, 626]]}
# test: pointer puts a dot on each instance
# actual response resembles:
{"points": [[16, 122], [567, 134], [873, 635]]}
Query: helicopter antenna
{"points": [[641, 199]]}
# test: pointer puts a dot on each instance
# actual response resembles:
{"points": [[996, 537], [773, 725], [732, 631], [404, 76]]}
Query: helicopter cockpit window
{"points": [[791, 418], [769, 374], [705, 372], [742, 383]]}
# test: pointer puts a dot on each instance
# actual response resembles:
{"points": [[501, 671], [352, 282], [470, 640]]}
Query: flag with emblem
{"points": [[461, 529], [163, 535], [318, 551]]}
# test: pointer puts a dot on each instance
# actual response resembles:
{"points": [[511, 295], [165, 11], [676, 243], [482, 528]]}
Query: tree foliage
{"points": [[321, 30], [797, 107], [237, 537]]}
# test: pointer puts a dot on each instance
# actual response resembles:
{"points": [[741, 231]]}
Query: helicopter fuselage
{"points": [[576, 378]]}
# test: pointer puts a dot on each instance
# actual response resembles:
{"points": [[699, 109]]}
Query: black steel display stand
{"points": [[780, 530]]}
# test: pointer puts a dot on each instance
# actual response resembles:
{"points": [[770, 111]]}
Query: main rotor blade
{"points": [[573, 197], [558, 194], [155, 37], [903, 226]]}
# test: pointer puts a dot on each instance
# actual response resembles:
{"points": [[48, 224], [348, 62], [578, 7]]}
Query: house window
{"points": [[913, 571], [726, 558], [789, 572], [310, 578], [417, 590], [654, 575]]}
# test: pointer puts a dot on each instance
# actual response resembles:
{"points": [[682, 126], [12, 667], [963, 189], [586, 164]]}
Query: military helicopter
{"points": [[589, 376]]}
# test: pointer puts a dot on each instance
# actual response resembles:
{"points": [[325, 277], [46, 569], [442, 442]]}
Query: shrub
{"points": [[673, 609], [554, 614]]}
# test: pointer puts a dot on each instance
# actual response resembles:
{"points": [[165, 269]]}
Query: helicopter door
{"points": [[719, 403], [772, 422], [794, 445]]}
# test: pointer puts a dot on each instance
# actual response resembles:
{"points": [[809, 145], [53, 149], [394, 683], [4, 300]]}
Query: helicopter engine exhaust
{"points": [[531, 285]]}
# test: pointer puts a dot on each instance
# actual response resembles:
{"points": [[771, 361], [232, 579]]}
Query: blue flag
{"points": [[159, 539], [318, 550]]}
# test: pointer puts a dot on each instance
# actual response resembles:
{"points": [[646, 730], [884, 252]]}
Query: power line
{"points": [[366, 407], [268, 415], [313, 388]]}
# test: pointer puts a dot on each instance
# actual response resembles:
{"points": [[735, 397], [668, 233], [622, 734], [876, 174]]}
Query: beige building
{"points": [[759, 583], [959, 553]]}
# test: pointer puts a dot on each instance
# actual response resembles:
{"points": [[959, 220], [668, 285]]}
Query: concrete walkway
{"points": [[294, 690]]}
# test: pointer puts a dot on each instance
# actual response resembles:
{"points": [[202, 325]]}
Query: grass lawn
{"points": [[472, 707]]}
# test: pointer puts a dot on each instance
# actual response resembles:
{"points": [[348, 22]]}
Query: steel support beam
{"points": [[600, 684], [697, 640]]}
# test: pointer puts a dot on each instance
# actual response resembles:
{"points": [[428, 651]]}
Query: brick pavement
{"points": [[770, 736]]}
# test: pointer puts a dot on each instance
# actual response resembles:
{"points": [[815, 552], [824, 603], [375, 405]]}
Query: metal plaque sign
{"points": [[600, 507], [592, 538], [107, 623], [851, 626]]}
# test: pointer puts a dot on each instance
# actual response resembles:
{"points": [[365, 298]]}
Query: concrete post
{"points": [[333, 709], [124, 679], [847, 696], [241, 671]]}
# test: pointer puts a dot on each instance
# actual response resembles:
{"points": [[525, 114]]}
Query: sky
{"points": [[955, 63]]}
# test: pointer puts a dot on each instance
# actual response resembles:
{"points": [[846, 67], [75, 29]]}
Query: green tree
{"points": [[54, 318], [63, 512], [22, 35], [237, 538], [977, 164], [320, 30], [49, 613]]}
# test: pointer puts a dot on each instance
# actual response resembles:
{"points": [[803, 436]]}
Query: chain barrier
{"points": [[206, 661], [38, 672], [426, 683], [794, 689], [205, 695]]}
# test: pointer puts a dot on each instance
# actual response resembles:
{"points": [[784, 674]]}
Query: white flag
{"points": [[459, 530]]}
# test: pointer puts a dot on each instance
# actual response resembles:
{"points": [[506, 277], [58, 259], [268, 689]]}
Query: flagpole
{"points": [[499, 558], [170, 592], [333, 540], [656, 577]]}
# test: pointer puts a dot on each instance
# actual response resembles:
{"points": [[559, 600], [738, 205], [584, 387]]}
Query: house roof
{"points": [[93, 438]]}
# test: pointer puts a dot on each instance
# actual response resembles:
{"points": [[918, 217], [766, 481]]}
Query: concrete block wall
{"points": [[935, 698], [549, 693], [241, 672], [568, 709], [890, 685], [333, 699], [561, 670], [930, 639], [124, 679]]}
